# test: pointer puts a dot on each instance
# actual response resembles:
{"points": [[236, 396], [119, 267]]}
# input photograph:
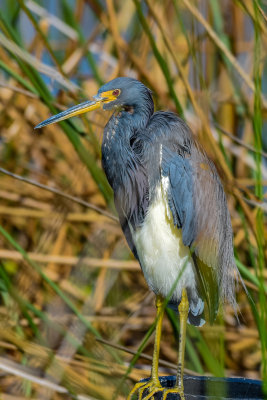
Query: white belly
{"points": [[162, 253]]}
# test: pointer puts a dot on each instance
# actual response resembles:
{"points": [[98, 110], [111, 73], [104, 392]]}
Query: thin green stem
{"points": [[162, 63], [257, 127]]}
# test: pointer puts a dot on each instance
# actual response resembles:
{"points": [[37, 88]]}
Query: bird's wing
{"points": [[192, 194], [180, 193]]}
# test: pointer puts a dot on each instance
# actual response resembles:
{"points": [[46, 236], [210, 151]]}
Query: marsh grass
{"points": [[70, 289]]}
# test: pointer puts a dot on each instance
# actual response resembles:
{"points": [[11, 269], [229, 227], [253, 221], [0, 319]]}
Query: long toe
{"points": [[175, 390], [165, 393], [152, 386], [137, 387], [152, 393]]}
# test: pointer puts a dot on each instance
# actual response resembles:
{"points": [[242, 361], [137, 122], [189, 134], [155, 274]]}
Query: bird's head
{"points": [[117, 94]]}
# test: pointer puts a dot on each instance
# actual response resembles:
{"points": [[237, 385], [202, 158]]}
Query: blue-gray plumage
{"points": [[140, 149], [171, 206]]}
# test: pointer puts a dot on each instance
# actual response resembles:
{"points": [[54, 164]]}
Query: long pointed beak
{"points": [[75, 110]]}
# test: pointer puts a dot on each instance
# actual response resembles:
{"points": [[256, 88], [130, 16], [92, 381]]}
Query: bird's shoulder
{"points": [[164, 129], [167, 116], [166, 123], [173, 136]]}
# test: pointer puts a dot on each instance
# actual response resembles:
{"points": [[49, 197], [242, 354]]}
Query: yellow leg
{"points": [[153, 385], [155, 361], [183, 312]]}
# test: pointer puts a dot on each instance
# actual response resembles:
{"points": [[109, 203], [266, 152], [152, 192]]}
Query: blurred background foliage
{"points": [[75, 309]]}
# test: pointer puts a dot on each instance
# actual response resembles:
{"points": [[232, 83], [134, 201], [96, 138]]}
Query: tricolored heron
{"points": [[172, 209]]}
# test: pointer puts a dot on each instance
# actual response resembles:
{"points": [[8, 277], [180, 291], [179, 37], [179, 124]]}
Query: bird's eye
{"points": [[116, 92]]}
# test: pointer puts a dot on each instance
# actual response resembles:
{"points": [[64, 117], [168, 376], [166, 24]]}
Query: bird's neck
{"points": [[117, 141], [135, 117], [124, 123]]}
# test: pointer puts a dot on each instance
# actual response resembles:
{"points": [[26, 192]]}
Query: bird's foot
{"points": [[153, 386], [165, 392], [176, 390]]}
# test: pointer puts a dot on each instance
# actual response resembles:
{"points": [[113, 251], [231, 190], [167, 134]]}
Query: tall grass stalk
{"points": [[257, 127]]}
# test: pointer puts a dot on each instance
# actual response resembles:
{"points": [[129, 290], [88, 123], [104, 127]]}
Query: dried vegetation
{"points": [[75, 309]]}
